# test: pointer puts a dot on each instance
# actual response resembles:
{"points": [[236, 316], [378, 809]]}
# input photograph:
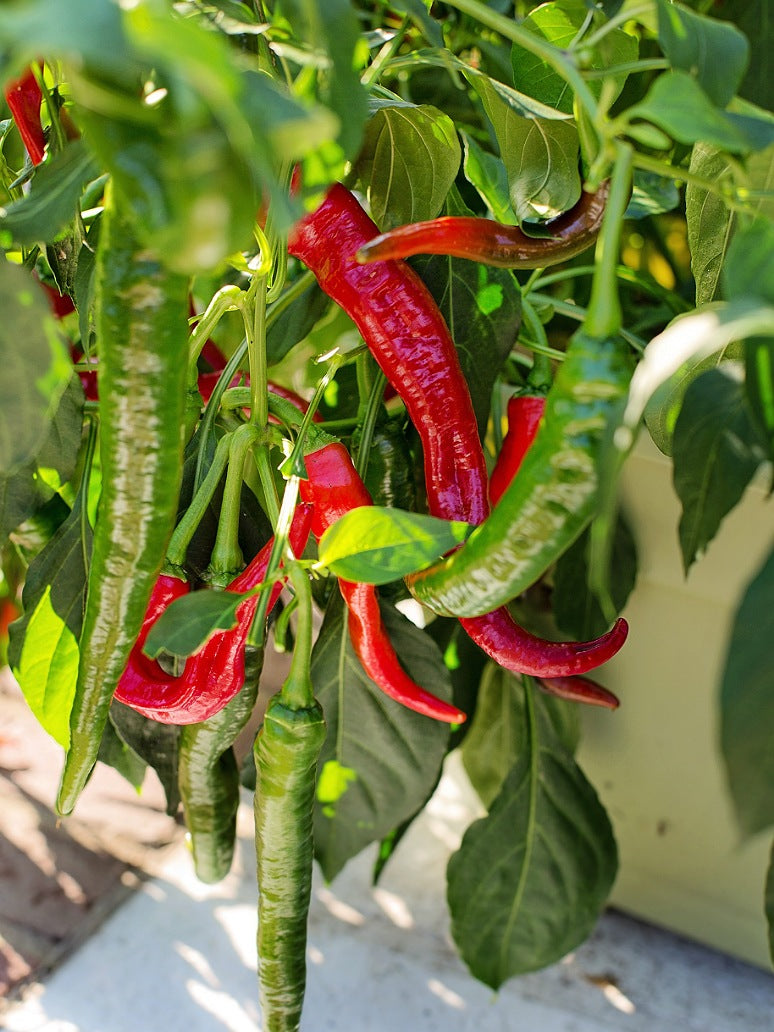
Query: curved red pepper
{"points": [[524, 414], [333, 489], [407, 335], [24, 98], [579, 689], [492, 243], [215, 674]]}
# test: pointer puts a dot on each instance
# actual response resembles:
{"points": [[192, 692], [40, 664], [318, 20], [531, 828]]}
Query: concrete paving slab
{"points": [[179, 957]]}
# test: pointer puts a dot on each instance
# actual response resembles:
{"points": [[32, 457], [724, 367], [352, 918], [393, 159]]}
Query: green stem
{"points": [[372, 409], [625, 275], [297, 691], [83, 489], [722, 187], [654, 64], [603, 316], [186, 528], [628, 14], [257, 634], [255, 330], [227, 299], [386, 54], [226, 558]]}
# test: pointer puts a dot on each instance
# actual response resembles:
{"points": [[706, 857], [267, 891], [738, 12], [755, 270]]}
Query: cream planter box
{"points": [[656, 762]]}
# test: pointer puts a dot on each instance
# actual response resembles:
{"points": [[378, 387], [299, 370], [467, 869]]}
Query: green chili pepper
{"points": [[208, 777], [557, 491], [142, 334], [389, 475], [287, 751]]}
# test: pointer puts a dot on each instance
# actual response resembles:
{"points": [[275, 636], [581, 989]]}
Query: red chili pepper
{"points": [[492, 243], [215, 674], [407, 335], [333, 489], [24, 98], [579, 689], [524, 414]]}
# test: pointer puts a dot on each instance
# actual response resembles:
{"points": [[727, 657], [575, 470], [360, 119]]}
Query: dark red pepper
{"points": [[406, 333], [524, 414], [215, 674], [492, 243], [333, 489], [24, 98]]}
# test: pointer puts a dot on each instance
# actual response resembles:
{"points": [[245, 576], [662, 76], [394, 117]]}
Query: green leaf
{"points": [[759, 386], [395, 754], [498, 733], [676, 103], [576, 607], [297, 321], [715, 52], [487, 174], [651, 195], [558, 23], [157, 744], [747, 705], [36, 367], [716, 454], [376, 545], [114, 752], [529, 880], [769, 903], [749, 270], [187, 623], [54, 197], [331, 26], [43, 645], [482, 308], [539, 154], [710, 222], [410, 158], [755, 18]]}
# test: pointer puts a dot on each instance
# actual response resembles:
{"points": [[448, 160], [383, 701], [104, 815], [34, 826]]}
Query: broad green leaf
{"points": [[749, 271], [769, 903], [710, 222], [482, 308], [26, 491], [91, 30], [157, 744], [498, 733], [759, 385], [331, 26], [36, 367], [57, 573], [530, 879], [114, 752], [376, 545], [747, 705], [676, 103], [410, 158], [558, 23], [715, 52], [187, 623], [296, 322], [716, 453], [755, 18], [651, 195], [54, 197], [576, 607], [539, 154], [395, 754], [487, 174], [48, 669]]}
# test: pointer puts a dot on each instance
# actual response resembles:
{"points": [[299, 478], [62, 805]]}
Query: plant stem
{"points": [[603, 316], [297, 691]]}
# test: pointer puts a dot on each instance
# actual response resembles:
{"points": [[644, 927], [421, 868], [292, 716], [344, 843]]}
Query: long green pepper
{"points": [[556, 493], [142, 336], [287, 752], [208, 777]]}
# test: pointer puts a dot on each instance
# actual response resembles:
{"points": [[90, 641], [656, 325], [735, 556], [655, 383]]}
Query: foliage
{"points": [[218, 124]]}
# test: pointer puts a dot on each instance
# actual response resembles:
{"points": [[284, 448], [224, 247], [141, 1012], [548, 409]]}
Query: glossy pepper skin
{"points": [[492, 243], [547, 506], [287, 751], [333, 489], [142, 340], [409, 339], [24, 98], [216, 673], [524, 414]]}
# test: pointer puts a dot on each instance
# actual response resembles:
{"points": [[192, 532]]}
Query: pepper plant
{"points": [[275, 269]]}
